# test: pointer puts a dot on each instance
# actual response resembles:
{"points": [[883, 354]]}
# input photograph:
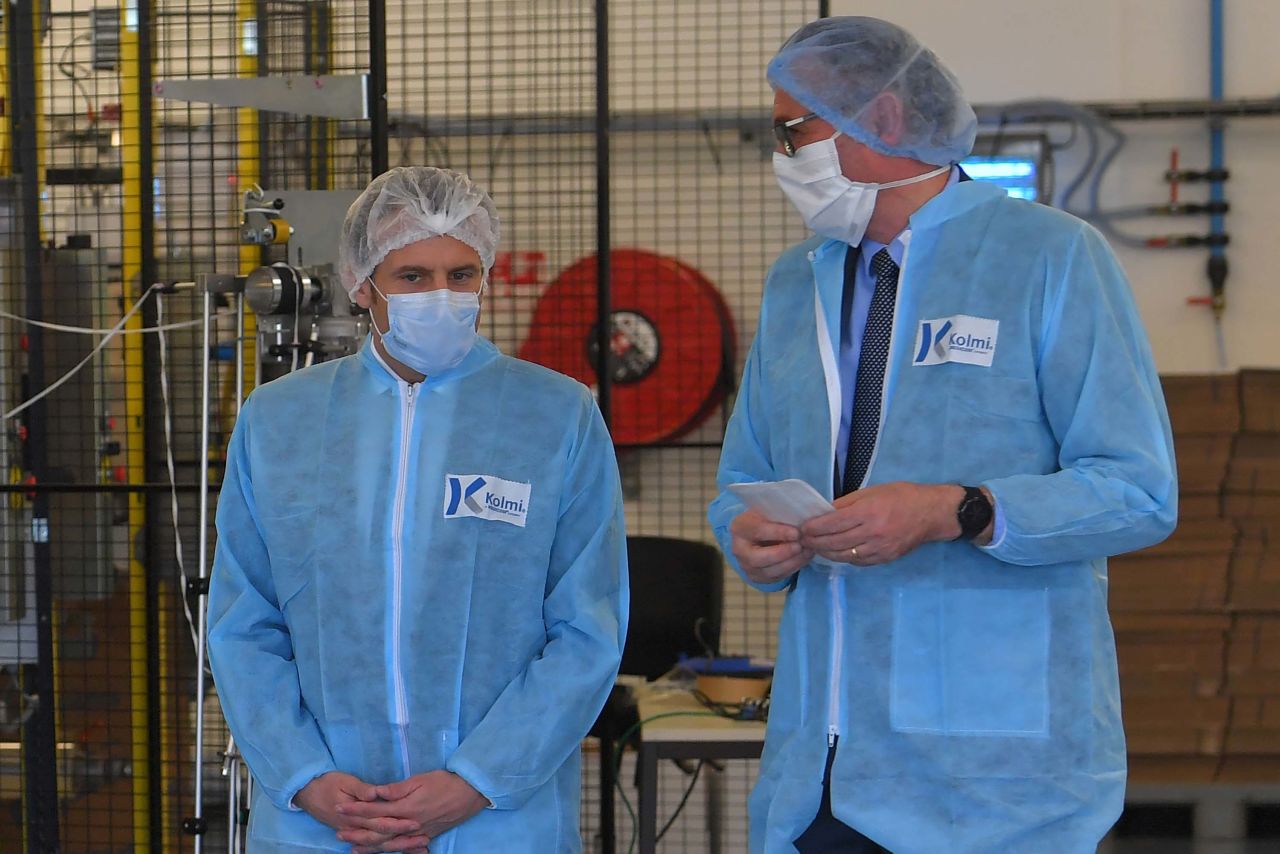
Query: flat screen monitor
{"points": [[1020, 164]]}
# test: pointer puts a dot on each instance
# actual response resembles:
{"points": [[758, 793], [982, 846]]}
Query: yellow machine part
{"points": [[131, 155]]}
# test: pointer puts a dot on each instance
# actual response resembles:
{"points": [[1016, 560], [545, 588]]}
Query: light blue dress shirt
{"points": [[854, 310]]}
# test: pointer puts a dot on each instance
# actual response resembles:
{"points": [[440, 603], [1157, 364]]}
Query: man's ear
{"points": [[363, 296], [884, 118]]}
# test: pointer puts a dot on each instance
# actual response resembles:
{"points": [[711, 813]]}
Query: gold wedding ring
{"points": [[854, 552]]}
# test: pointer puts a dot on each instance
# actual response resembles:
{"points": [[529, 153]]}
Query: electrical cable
{"points": [[1095, 212], [297, 321], [63, 64], [1042, 111], [496, 151], [712, 148], [173, 479], [76, 72], [1094, 170], [620, 745], [683, 800], [747, 709], [998, 141], [1066, 143], [88, 330], [1080, 118], [110, 334], [698, 625]]}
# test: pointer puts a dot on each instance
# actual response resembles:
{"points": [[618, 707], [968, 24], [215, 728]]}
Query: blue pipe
{"points": [[1217, 156]]}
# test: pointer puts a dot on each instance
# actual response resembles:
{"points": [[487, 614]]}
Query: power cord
{"points": [[618, 749], [173, 480], [106, 339], [683, 800], [748, 709], [91, 330]]}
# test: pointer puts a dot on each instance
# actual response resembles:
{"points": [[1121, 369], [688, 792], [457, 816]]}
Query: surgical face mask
{"points": [[830, 203], [432, 331]]}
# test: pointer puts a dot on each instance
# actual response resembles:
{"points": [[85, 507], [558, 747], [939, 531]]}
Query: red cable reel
{"points": [[672, 341]]}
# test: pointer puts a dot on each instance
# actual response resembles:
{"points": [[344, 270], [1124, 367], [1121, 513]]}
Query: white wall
{"points": [[1090, 50]]}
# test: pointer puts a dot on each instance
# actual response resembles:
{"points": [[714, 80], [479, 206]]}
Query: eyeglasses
{"points": [[782, 132]]}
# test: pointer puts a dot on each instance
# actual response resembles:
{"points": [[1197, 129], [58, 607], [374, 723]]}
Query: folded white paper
{"points": [[790, 501]]}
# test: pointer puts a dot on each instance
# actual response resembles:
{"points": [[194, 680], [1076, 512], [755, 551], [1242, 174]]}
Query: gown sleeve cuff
{"points": [[299, 782], [998, 529], [476, 779]]}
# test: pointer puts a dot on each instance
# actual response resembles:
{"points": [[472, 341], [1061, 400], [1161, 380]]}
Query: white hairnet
{"points": [[411, 203], [838, 66]]}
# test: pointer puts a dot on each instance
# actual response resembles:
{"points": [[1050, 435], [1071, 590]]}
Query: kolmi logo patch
{"points": [[960, 338], [486, 497]]}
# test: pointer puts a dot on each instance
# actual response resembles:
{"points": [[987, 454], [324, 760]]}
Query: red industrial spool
{"points": [[672, 341]]}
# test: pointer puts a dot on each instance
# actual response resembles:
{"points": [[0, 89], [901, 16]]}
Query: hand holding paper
{"points": [[881, 523], [766, 537], [791, 502]]}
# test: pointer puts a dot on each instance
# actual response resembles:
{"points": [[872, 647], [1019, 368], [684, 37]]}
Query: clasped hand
{"points": [[872, 526], [402, 816]]}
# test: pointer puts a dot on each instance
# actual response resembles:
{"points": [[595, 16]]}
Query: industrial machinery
{"points": [[303, 313], [303, 316]]}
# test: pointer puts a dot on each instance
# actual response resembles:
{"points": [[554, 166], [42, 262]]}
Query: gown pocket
{"points": [[970, 662]]}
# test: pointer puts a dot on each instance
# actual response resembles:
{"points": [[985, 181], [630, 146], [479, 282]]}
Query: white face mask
{"points": [[830, 203], [432, 331]]}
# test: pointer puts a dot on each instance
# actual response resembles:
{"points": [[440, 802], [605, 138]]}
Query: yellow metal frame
{"points": [[247, 147], [135, 461]]}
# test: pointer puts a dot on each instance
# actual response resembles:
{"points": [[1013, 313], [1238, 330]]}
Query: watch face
{"points": [[974, 514]]}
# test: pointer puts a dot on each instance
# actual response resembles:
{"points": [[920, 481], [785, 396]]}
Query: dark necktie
{"points": [[871, 363]]}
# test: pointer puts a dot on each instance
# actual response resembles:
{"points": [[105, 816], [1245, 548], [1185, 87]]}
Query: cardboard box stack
{"points": [[1197, 618]]}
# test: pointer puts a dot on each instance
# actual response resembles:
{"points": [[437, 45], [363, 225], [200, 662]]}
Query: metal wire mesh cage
{"points": [[148, 145]]}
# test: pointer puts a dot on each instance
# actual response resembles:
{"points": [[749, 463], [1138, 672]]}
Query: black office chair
{"points": [[677, 595]]}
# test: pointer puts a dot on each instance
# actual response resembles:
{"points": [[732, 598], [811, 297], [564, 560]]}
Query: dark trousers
{"points": [[827, 834]]}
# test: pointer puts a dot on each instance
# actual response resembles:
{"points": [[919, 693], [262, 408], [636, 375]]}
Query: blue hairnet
{"points": [[838, 66], [411, 203]]}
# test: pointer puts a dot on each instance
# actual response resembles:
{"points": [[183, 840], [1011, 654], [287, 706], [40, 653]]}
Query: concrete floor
{"points": [[1185, 846]]}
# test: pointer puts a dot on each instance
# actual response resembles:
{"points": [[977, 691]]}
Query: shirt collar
{"points": [[897, 246]]}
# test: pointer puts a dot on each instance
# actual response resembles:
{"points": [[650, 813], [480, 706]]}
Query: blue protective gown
{"points": [[361, 621], [974, 691]]}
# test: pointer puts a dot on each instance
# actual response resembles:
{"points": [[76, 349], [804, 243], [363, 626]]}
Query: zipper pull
{"points": [[832, 734]]}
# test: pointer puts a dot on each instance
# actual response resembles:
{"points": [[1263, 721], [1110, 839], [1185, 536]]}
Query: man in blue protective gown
{"points": [[419, 597], [966, 375]]}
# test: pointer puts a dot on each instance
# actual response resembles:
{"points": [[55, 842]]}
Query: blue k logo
{"points": [[929, 339], [459, 495]]}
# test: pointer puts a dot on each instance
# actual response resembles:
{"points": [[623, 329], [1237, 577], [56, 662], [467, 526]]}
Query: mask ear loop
{"points": [[484, 283], [915, 179], [372, 321]]}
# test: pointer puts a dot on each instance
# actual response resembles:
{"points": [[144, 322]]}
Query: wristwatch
{"points": [[974, 513]]}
